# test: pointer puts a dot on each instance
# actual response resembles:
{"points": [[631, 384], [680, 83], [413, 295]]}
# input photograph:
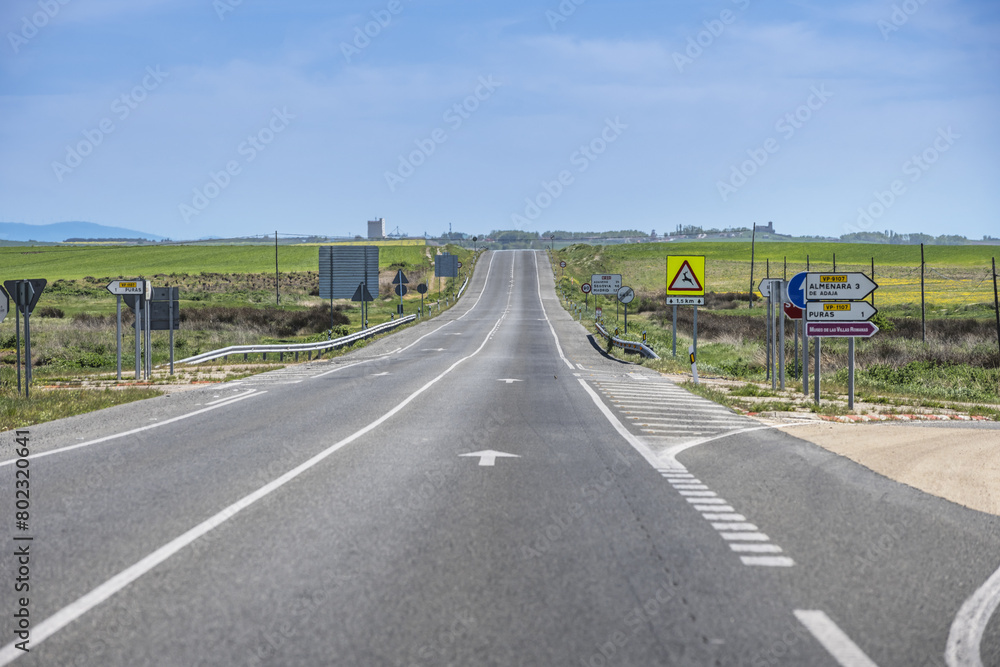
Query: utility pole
{"points": [[277, 292]]}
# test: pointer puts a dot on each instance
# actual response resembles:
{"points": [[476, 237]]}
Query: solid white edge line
{"points": [[833, 639], [82, 605], [106, 438], [966, 633], [538, 278], [669, 456]]}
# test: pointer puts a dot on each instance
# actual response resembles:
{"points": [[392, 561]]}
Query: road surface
{"points": [[484, 488]]}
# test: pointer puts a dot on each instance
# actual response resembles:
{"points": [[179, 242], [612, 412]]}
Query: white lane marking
{"points": [[81, 606], [344, 368], [106, 438], [756, 548], [768, 561], [637, 444], [735, 526], [833, 639], [669, 456], [698, 494], [714, 508], [746, 537], [720, 501], [966, 633], [538, 277], [725, 517], [699, 487], [508, 380]]}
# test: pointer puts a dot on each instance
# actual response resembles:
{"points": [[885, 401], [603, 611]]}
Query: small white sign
{"points": [[127, 287], [607, 284]]}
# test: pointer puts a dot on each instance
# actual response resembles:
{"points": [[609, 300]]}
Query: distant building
{"points": [[769, 228], [376, 229]]}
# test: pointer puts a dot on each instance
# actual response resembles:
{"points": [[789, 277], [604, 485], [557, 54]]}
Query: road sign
{"points": [[400, 279], [362, 294], [562, 265], [585, 288], [796, 289], [840, 311], [686, 276], [445, 266], [459, 265], [36, 285], [626, 294], [598, 313], [342, 268], [4, 304], [838, 286], [422, 288], [400, 290], [126, 287], [841, 329], [685, 301], [767, 285], [792, 311], [605, 284]]}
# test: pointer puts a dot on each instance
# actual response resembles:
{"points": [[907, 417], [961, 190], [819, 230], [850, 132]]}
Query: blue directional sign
{"points": [[796, 289]]}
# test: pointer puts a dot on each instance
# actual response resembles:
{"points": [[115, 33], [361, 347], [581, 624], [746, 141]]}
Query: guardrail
{"points": [[627, 345], [299, 347]]}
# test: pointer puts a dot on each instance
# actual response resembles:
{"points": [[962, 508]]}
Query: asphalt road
{"points": [[469, 491]]}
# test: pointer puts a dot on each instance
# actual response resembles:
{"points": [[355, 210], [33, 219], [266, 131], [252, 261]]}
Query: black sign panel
{"points": [[25, 300], [159, 313]]}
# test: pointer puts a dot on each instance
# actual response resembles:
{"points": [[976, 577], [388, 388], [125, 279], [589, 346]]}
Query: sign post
{"points": [[120, 288], [626, 294], [833, 309], [686, 287], [25, 294]]}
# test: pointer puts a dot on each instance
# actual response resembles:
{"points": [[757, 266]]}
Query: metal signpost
{"points": [[833, 309], [400, 281], [422, 289], [686, 287], [120, 288], [25, 294], [364, 296], [625, 295]]}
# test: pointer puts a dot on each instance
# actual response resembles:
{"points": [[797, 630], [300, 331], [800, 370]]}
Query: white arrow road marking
{"points": [[833, 639], [489, 457], [508, 380]]}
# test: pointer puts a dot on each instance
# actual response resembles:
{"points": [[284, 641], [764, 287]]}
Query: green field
{"points": [[73, 262]]}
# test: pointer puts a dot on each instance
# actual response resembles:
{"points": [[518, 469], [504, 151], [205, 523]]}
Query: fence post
{"points": [[996, 300]]}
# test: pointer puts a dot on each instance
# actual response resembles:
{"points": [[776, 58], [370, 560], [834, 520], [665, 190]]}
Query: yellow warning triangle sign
{"points": [[685, 280]]}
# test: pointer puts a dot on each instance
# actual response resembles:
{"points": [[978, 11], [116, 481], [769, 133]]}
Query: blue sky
{"points": [[189, 118]]}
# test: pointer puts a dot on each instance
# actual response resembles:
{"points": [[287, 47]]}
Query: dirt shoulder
{"points": [[959, 464]]}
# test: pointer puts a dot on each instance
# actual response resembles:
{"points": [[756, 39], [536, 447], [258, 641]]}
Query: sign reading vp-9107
{"points": [[838, 286]]}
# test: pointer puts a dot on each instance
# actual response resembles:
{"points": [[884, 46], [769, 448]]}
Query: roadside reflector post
{"points": [[694, 363]]}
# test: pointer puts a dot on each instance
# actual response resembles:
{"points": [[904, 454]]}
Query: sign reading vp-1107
{"points": [[840, 311], [606, 284], [127, 286], [838, 286]]}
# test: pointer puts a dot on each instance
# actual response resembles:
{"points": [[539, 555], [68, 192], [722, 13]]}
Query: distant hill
{"points": [[60, 231]]}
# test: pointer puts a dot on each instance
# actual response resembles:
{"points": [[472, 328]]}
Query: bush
{"points": [[49, 311]]}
